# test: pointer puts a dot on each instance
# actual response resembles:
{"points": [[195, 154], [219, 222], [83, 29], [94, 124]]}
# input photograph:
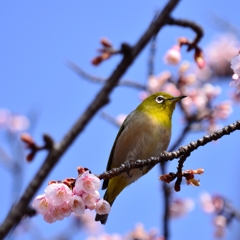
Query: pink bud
{"points": [[103, 207], [173, 55], [200, 62], [87, 182]]}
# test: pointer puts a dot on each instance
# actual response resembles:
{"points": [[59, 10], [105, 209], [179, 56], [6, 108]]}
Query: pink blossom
{"points": [[180, 207], [103, 207], [210, 203], [57, 213], [41, 204], [48, 217], [184, 67], [189, 79], [223, 110], [77, 205], [220, 223], [211, 91], [90, 199], [236, 82], [58, 193], [155, 83], [78, 191], [105, 236], [14, 123], [206, 202], [213, 126], [220, 52], [61, 211], [173, 55], [171, 89], [198, 99], [66, 209], [87, 182], [143, 95], [235, 97], [235, 64], [18, 123]]}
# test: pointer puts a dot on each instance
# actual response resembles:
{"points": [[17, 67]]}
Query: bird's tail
{"points": [[115, 186], [101, 218]]}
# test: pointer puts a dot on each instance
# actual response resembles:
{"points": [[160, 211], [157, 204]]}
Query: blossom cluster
{"points": [[201, 96], [222, 209], [139, 232], [59, 200]]}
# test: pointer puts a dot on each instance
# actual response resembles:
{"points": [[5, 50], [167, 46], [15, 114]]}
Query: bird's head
{"points": [[160, 102]]}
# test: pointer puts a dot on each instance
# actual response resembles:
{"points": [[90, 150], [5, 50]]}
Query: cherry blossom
{"points": [[48, 217], [59, 201], [58, 193], [90, 199], [235, 65], [13, 122], [42, 204], [223, 110], [236, 82], [103, 207], [155, 83], [180, 207], [87, 182], [173, 55], [77, 205], [220, 52]]}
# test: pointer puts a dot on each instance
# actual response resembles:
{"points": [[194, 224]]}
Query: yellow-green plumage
{"points": [[145, 133]]}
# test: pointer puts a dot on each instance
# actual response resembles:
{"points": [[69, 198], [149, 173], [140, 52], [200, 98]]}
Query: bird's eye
{"points": [[159, 99]]}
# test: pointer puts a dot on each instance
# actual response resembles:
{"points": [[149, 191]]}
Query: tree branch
{"points": [[79, 71], [102, 98], [169, 156], [186, 23]]}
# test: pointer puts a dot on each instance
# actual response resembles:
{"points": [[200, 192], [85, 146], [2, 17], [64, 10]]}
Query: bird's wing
{"points": [[105, 182]]}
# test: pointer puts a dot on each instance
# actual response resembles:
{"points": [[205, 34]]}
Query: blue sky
{"points": [[39, 38]]}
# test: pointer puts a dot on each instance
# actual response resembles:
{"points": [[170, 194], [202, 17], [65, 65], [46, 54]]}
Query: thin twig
{"points": [[186, 23], [18, 211], [166, 204], [110, 119], [152, 55], [95, 79]]}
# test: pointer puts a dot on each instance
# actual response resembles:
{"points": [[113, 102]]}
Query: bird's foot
{"points": [[128, 165]]}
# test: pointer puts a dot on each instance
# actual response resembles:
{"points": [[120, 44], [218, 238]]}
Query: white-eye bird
{"points": [[145, 133]]}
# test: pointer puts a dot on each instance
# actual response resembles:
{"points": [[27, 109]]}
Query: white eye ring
{"points": [[159, 99]]}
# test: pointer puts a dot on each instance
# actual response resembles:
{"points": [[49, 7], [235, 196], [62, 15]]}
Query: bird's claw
{"points": [[128, 165]]}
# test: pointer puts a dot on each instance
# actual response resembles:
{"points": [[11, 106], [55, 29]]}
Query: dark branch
{"points": [[189, 24], [152, 55], [102, 98], [95, 79], [169, 156]]}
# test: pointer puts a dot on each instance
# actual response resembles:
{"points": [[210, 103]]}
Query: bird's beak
{"points": [[176, 99]]}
